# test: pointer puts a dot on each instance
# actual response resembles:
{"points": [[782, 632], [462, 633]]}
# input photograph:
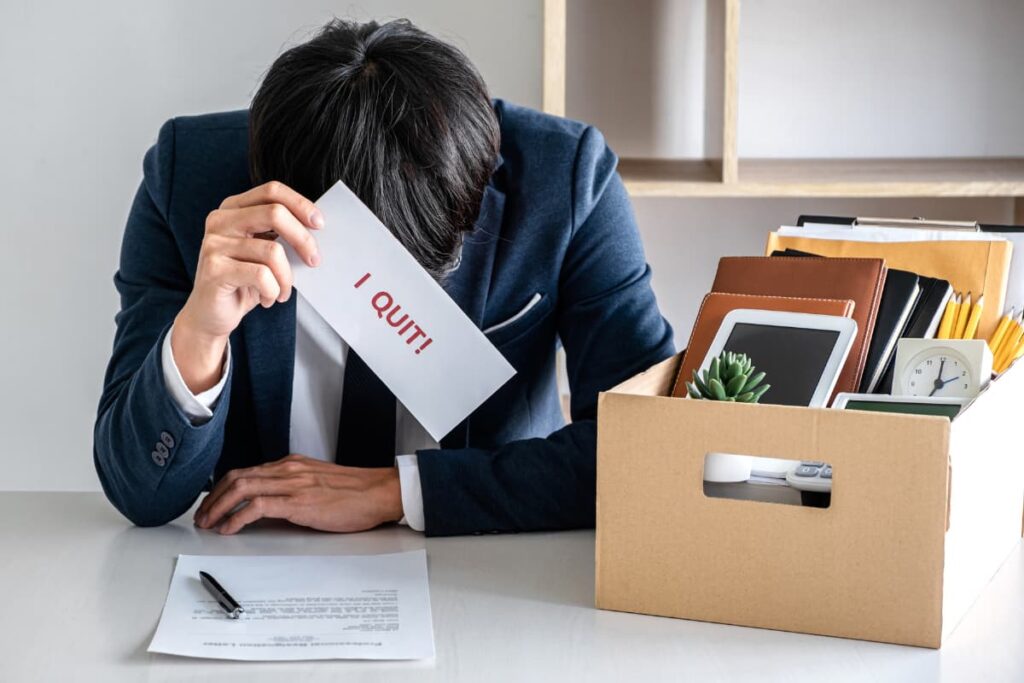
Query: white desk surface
{"points": [[82, 590]]}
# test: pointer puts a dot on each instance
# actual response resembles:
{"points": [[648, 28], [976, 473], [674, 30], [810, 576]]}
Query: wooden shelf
{"points": [[723, 174], [670, 178], [988, 177]]}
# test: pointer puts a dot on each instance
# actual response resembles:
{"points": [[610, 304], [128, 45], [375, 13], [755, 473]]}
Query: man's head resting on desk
{"points": [[399, 116]]}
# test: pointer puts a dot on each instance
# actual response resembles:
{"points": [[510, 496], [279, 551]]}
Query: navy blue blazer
{"points": [[555, 220]]}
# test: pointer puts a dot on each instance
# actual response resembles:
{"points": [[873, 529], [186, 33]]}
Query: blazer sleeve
{"points": [[610, 327], [151, 460]]}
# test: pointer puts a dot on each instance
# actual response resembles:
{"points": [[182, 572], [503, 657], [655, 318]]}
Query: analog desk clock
{"points": [[941, 367]]}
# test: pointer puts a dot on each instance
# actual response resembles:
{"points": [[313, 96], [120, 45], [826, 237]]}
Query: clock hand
{"points": [[938, 383]]}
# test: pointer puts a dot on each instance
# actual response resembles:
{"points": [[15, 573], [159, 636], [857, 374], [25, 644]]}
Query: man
{"points": [[219, 375]]}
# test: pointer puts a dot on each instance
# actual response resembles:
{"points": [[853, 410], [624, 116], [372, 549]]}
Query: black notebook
{"points": [[899, 298], [923, 323]]}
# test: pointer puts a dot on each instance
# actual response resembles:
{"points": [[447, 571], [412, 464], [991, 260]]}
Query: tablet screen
{"points": [[793, 358], [941, 409]]}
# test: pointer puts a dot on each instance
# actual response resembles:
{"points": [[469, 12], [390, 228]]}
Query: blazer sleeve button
{"points": [[158, 459], [167, 439]]}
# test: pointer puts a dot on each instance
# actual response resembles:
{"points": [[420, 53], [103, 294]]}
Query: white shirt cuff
{"points": [[198, 407], [412, 492]]}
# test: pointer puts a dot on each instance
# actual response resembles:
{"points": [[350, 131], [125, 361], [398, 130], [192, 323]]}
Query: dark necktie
{"points": [[366, 428]]}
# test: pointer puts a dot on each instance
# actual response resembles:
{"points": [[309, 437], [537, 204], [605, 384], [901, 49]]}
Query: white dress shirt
{"points": [[320, 356]]}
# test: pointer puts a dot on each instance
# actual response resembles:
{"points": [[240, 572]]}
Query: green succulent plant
{"points": [[730, 377]]}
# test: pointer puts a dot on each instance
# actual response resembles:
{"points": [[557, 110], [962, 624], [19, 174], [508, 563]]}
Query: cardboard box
{"points": [[922, 515]]}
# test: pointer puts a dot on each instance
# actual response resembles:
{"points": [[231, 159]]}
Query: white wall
{"points": [[85, 87], [869, 78]]}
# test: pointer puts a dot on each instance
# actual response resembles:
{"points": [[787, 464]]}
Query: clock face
{"points": [[939, 373]]}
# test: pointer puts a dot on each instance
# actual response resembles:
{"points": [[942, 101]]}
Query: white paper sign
{"points": [[406, 328], [300, 607]]}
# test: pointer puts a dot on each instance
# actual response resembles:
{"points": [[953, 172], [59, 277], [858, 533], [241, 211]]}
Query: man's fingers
{"points": [[247, 489], [289, 465], [278, 507], [239, 274], [265, 252], [262, 220], [278, 193], [225, 483]]}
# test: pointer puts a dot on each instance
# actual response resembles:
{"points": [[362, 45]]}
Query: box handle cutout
{"points": [[761, 479]]}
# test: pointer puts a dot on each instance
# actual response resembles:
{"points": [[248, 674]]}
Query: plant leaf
{"points": [[752, 382], [717, 390], [713, 372], [735, 385], [758, 393], [702, 386], [731, 371]]}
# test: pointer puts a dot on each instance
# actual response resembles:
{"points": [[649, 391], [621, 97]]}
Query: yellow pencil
{"points": [[1007, 361], [1008, 358], [1014, 338], [1004, 325], [961, 317], [997, 353], [952, 328], [1010, 340], [1017, 353], [948, 317], [971, 331]]}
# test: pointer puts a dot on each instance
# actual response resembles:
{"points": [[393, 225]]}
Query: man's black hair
{"points": [[403, 118]]}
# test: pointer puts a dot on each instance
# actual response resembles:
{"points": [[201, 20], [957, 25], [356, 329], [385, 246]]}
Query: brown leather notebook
{"points": [[858, 279], [717, 305]]}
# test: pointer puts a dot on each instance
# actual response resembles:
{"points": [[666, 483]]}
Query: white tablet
{"points": [[942, 406], [801, 354]]}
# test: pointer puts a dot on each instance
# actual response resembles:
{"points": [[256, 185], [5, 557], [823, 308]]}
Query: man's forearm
{"points": [[151, 460], [528, 485]]}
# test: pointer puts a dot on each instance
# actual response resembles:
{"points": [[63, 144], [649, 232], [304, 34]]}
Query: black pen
{"points": [[228, 603]]}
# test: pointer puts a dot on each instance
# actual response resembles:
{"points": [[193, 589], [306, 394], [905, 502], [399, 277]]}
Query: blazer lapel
{"points": [[469, 285], [270, 348]]}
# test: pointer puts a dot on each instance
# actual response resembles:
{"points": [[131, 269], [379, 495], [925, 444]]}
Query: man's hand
{"points": [[240, 265], [304, 491]]}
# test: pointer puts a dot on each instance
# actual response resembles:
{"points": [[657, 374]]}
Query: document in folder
{"points": [[976, 266]]}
